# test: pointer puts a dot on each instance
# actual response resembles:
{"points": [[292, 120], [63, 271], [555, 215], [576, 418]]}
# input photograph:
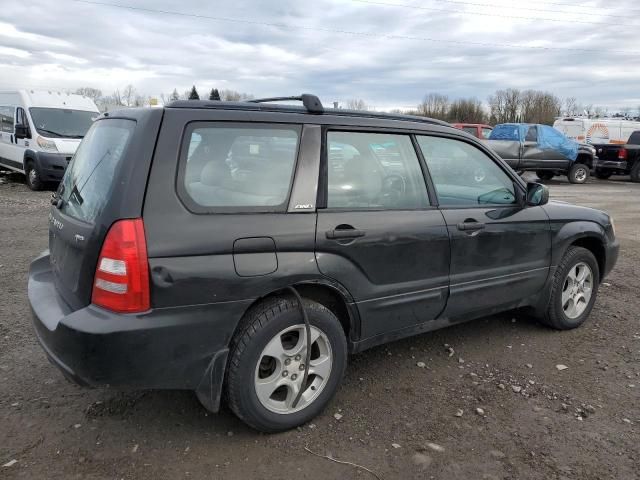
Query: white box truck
{"points": [[40, 131], [597, 131]]}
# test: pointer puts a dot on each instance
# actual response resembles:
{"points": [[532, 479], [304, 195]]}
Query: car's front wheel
{"points": [[602, 174], [544, 175], [33, 179], [578, 173], [266, 385], [573, 290]]}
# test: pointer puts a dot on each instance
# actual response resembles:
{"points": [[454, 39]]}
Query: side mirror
{"points": [[22, 131], [537, 194]]}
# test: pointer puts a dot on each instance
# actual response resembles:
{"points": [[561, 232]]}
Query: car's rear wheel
{"points": [[573, 290], [265, 381], [635, 172], [33, 179], [545, 175], [602, 174], [578, 173]]}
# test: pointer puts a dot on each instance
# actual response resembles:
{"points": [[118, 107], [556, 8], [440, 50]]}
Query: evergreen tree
{"points": [[214, 95], [175, 95], [193, 95]]}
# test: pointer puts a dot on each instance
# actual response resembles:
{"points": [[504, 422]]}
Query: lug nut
{"points": [[302, 366], [287, 361], [298, 358], [294, 376], [285, 373]]}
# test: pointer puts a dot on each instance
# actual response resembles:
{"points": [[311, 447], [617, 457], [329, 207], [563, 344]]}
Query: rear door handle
{"points": [[337, 234], [471, 226]]}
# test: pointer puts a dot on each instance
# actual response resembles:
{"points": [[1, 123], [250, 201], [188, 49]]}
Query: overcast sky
{"points": [[387, 52]]}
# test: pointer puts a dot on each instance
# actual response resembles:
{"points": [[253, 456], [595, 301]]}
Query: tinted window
{"points": [[464, 175], [472, 130], [239, 166], [373, 170], [486, 132], [6, 119], [88, 181], [58, 122], [532, 134]]}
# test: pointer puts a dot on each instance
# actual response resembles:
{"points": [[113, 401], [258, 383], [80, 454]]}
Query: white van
{"points": [[40, 131], [597, 131]]}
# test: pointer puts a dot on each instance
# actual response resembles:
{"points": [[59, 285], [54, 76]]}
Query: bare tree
{"points": [[600, 112], [357, 104], [434, 105], [234, 96], [93, 93], [129, 95], [467, 110], [571, 107]]}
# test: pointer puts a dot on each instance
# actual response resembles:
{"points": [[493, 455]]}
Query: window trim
{"points": [[518, 183], [183, 148], [323, 183]]}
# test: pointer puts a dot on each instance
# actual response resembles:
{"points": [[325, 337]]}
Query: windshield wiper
{"points": [[50, 132]]}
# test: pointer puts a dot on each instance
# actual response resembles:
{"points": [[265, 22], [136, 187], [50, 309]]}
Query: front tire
{"points": [[266, 364], [603, 174], [573, 290], [545, 175], [578, 173], [33, 180]]}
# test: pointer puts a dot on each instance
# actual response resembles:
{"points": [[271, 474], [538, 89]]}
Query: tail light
{"points": [[622, 154], [122, 275]]}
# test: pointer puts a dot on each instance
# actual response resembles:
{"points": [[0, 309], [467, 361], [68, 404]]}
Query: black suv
{"points": [[248, 248]]}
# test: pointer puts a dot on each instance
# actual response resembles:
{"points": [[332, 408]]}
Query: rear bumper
{"points": [[53, 165], [177, 348], [611, 164]]}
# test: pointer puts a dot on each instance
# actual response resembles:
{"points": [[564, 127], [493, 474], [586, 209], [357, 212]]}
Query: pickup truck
{"points": [[619, 159], [478, 130], [542, 149]]}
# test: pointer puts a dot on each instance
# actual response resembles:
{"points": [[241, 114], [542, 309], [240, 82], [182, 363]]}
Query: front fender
{"points": [[565, 234]]}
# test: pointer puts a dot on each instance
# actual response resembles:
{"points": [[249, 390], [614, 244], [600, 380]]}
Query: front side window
{"points": [[373, 171], [62, 123], [464, 175], [470, 130], [239, 167], [486, 132]]}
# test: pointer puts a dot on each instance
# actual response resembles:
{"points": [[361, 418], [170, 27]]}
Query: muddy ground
{"points": [[398, 419]]}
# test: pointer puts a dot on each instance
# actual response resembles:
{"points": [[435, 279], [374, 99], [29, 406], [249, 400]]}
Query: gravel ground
{"points": [[492, 405]]}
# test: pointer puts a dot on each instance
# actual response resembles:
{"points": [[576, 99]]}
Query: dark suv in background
{"points": [[247, 248]]}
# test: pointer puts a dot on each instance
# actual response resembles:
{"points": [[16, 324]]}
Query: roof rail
{"points": [[311, 102]]}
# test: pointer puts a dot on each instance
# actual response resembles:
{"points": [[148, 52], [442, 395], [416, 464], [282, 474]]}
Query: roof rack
{"points": [[311, 102]]}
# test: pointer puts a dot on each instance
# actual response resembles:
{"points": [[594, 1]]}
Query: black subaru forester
{"points": [[248, 248]]}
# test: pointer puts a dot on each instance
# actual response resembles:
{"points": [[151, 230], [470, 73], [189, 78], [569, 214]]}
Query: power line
{"points": [[498, 15], [350, 32], [562, 12]]}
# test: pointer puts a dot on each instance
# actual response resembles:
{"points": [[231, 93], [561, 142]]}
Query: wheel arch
{"points": [[585, 159], [596, 246]]}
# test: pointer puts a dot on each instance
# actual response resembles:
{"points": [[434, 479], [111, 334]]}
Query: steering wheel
{"points": [[394, 187]]}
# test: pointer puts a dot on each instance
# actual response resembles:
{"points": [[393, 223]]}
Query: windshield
{"points": [[62, 123], [88, 181]]}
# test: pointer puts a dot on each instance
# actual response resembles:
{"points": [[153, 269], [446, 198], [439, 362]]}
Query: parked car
{"points": [[40, 131], [596, 131], [478, 130], [255, 261], [542, 149], [620, 159]]}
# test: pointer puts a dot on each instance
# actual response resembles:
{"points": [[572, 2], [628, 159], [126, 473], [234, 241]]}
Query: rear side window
{"points": [[472, 130], [486, 132], [6, 119], [238, 167], [373, 171], [88, 181]]}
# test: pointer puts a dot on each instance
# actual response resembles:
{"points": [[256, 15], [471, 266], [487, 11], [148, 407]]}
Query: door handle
{"points": [[342, 233], [471, 226]]}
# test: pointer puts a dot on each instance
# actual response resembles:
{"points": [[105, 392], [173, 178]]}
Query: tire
{"points": [[545, 175], [635, 172], [603, 174], [578, 173], [558, 315], [271, 324], [33, 179]]}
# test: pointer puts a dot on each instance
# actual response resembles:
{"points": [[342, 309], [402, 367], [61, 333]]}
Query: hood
{"points": [[66, 146], [562, 211]]}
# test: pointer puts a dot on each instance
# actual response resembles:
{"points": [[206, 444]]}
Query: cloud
{"points": [[390, 56]]}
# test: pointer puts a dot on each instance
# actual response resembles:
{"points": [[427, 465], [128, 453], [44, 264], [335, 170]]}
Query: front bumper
{"points": [[169, 348], [612, 250], [53, 165]]}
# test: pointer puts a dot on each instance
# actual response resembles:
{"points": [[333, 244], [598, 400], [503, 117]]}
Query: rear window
{"points": [[88, 181], [237, 167]]}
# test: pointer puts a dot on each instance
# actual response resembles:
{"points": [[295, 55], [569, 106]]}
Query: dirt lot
{"points": [[399, 420]]}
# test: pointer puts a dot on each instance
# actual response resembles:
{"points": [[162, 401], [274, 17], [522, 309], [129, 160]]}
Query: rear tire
{"points": [[265, 370], [603, 174], [635, 172], [33, 180], [545, 175], [578, 173], [566, 309]]}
